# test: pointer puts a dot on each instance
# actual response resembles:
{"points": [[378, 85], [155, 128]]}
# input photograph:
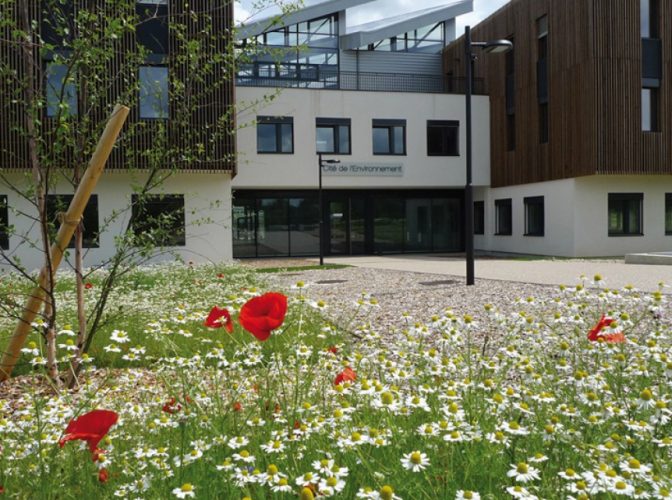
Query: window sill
{"points": [[503, 234], [390, 154], [332, 153], [273, 153], [626, 235], [535, 235], [440, 155]]}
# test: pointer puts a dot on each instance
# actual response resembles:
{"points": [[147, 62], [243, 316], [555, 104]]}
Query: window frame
{"points": [[444, 125], [278, 122], [140, 92], [534, 201], [176, 238], [389, 125], [479, 217], [91, 236], [615, 197], [501, 204], [335, 125], [4, 222]]}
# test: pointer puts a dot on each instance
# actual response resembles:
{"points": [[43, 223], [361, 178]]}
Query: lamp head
{"points": [[497, 46]]}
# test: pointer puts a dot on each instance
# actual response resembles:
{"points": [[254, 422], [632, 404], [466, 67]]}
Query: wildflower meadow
{"points": [[205, 384]]}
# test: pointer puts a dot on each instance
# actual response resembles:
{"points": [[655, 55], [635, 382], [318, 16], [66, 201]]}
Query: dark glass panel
{"points": [[304, 226], [273, 232], [244, 220], [388, 230], [59, 203], [418, 225]]}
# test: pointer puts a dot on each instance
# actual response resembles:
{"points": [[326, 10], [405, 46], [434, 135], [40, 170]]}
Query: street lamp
{"points": [[320, 163], [491, 47]]}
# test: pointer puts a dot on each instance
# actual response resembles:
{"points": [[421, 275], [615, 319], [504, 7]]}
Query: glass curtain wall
{"points": [[300, 55], [356, 223]]}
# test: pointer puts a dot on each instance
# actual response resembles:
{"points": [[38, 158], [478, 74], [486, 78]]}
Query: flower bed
{"points": [[564, 396]]}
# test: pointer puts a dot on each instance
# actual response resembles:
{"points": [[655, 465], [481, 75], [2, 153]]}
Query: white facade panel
{"points": [[577, 217], [299, 170], [207, 199]]}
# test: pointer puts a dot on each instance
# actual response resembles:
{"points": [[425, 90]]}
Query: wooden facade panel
{"points": [[208, 96], [594, 78]]}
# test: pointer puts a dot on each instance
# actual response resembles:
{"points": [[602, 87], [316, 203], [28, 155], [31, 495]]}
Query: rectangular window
{"points": [[649, 109], [503, 218], [153, 92], [510, 132], [389, 137], [275, 135], [625, 214], [61, 90], [4, 223], [534, 216], [542, 77], [333, 135], [443, 138], [668, 213], [152, 29], [159, 219], [479, 217], [649, 15], [59, 203]]}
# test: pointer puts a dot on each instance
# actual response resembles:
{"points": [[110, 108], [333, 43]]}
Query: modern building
{"points": [[581, 127], [374, 101], [179, 124]]}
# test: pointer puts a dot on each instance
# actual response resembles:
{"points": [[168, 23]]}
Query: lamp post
{"points": [[494, 46], [321, 162]]}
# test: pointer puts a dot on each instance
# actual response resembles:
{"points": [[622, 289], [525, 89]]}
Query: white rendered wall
{"points": [[591, 208], [299, 170], [576, 217], [558, 213], [207, 200]]}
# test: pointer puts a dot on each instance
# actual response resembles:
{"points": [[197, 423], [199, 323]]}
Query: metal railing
{"points": [[366, 81]]}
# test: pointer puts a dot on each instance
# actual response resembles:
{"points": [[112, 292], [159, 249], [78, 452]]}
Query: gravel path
{"points": [[418, 294]]}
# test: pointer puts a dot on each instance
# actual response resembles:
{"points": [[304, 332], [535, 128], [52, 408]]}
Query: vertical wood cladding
{"points": [[594, 77], [208, 96]]}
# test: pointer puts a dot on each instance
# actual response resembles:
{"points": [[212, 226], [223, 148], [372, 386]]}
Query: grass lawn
{"points": [[500, 404]]}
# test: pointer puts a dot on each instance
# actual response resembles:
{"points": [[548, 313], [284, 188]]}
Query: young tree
{"points": [[64, 65]]}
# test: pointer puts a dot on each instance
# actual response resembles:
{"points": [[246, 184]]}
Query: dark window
{"points": [[152, 29], [649, 12], [59, 203], [479, 217], [625, 214], [534, 216], [333, 135], [510, 132], [543, 123], [503, 217], [649, 109], [61, 90], [58, 23], [443, 138], [275, 135], [153, 92], [668, 213], [4, 223], [159, 219], [389, 137]]}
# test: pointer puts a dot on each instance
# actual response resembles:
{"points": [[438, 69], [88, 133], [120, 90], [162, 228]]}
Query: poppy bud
{"points": [[103, 475]]}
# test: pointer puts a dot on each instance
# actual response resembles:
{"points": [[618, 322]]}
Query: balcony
{"points": [[362, 81]]}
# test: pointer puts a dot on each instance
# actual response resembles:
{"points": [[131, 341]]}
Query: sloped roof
{"points": [[364, 34], [312, 10]]}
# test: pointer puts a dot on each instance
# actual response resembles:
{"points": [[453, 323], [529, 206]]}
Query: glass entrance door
{"points": [[347, 225]]}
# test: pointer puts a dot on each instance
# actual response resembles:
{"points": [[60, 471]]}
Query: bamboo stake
{"points": [[65, 232]]}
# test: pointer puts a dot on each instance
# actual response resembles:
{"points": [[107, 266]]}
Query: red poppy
{"points": [[237, 406], [88, 286], [2, 490], [261, 315], [596, 334], [219, 318], [103, 475], [90, 427], [220, 275], [171, 406], [347, 375], [332, 349]]}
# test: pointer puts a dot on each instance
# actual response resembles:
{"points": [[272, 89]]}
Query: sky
{"points": [[380, 9]]}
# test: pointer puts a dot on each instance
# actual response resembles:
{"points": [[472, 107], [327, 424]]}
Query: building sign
{"points": [[364, 169]]}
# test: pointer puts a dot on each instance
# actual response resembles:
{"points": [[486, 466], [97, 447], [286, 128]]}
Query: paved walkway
{"points": [[616, 273]]}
